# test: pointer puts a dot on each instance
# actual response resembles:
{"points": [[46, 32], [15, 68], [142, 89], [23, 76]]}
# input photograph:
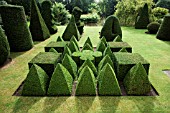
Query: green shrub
{"points": [[90, 65], [36, 83], [117, 46], [136, 81], [89, 42], [66, 51], [4, 47], [125, 61], [87, 47], [61, 82], [58, 46], [98, 57], [153, 27], [75, 41], [60, 39], [108, 84], [163, 4], [142, 19], [70, 65], [86, 83], [38, 27], [48, 16], [90, 18], [53, 50], [16, 29], [108, 52], [159, 12], [103, 39], [111, 28], [76, 57], [71, 30], [101, 46], [123, 50], [72, 46], [163, 32], [94, 8], [118, 39], [46, 60]]}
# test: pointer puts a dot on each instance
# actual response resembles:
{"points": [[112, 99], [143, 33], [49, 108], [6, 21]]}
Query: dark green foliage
{"points": [[118, 39], [61, 82], [123, 50], [4, 47], [38, 27], [71, 30], [136, 81], [16, 29], [46, 60], [89, 42], [36, 83], [75, 41], [101, 47], [108, 52], [66, 51], [70, 65], [72, 46], [46, 11], [103, 39], [153, 27], [76, 57], [142, 19], [87, 47], [60, 39], [163, 4], [111, 28], [163, 32], [58, 46], [86, 83], [98, 57], [117, 46], [53, 50], [125, 61], [108, 84], [90, 65]]}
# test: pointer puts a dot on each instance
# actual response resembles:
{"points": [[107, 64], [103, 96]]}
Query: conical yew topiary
{"points": [[123, 50], [108, 51], [108, 84], [101, 47], [66, 51], [88, 41], [60, 39], [87, 47], [103, 39], [136, 81], [61, 82], [36, 83], [118, 39], [72, 46], [75, 41]]}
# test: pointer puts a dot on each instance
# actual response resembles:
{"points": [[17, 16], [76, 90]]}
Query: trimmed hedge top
{"points": [[88, 41], [118, 39], [87, 47]]}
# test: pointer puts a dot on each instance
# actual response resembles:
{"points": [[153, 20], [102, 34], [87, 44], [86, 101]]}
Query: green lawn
{"points": [[155, 51]]}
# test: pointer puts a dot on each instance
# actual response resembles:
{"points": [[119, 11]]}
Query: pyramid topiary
{"points": [[60, 39], [75, 41], [36, 82], [4, 47], [71, 30], [111, 28], [163, 32], [108, 84], [46, 11], [142, 19], [109, 52], [70, 65], [123, 50], [103, 39], [53, 50], [38, 27], [72, 46], [16, 28], [66, 51], [118, 39], [86, 82], [87, 47], [101, 46], [90, 65], [61, 82], [136, 81], [89, 42]]}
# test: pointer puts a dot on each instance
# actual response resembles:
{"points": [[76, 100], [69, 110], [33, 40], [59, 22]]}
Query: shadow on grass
{"points": [[109, 104], [53, 103], [167, 42], [84, 103], [23, 104], [16, 54]]}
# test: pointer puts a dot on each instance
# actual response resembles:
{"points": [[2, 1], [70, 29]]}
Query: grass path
{"points": [[155, 51]]}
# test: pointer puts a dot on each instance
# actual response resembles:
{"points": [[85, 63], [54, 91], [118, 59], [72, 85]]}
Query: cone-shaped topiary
{"points": [[70, 65], [4, 47], [100, 47], [71, 30], [72, 46], [46, 11], [142, 19], [111, 28], [88, 41], [90, 65], [87, 47], [118, 39], [86, 83], [75, 41], [109, 52], [66, 51], [36, 83], [163, 32], [38, 27], [103, 39], [136, 81], [60, 39], [53, 50], [61, 82], [16, 28], [108, 84], [123, 50]]}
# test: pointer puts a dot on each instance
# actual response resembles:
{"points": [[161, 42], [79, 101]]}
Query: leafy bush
{"points": [[94, 8], [16, 28], [136, 81], [4, 47], [108, 84], [60, 13], [36, 83], [163, 4], [90, 18], [159, 12], [153, 27], [61, 82]]}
